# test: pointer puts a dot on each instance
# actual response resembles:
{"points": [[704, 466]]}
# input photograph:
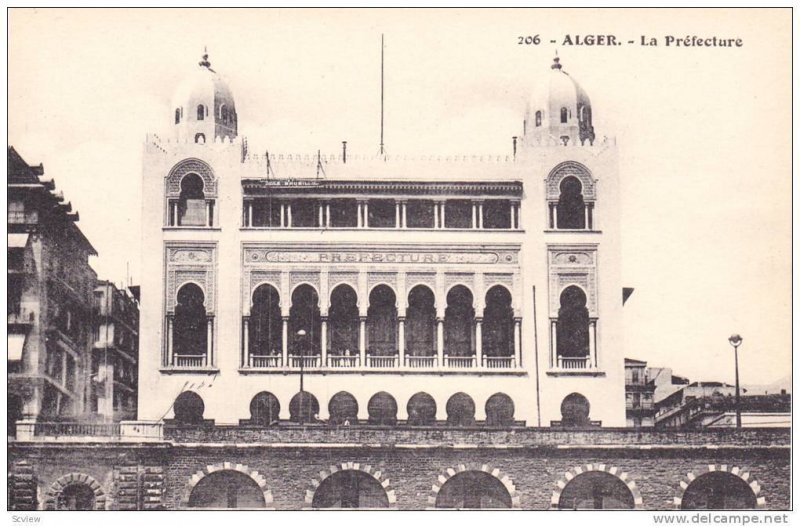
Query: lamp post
{"points": [[735, 340], [300, 340]]}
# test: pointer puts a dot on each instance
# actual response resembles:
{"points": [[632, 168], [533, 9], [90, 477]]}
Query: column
{"points": [[327, 215], [249, 213], [593, 343], [436, 214], [401, 340], [321, 221], [586, 224], [209, 212], [362, 340], [285, 341], [440, 341], [170, 347], [174, 212], [555, 216], [246, 341], [474, 214], [404, 218], [442, 207], [366, 214], [323, 344], [553, 343], [480, 214], [397, 214], [283, 214], [591, 215], [289, 214], [360, 218], [517, 342], [209, 340], [515, 216], [479, 342]]}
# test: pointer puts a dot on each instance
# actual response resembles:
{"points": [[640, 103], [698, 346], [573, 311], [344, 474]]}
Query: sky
{"points": [[704, 133]]}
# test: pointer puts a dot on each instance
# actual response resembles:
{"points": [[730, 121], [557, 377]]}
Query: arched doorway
{"points": [[343, 321], [575, 411], [498, 324], [421, 409], [303, 408], [190, 332], [227, 489], [76, 497], [265, 324], [189, 408], [473, 490], [343, 409], [596, 490], [265, 409], [499, 410], [421, 322], [382, 322], [460, 410], [350, 489], [571, 213], [718, 490], [572, 336], [382, 409], [459, 321], [304, 315], [192, 202]]}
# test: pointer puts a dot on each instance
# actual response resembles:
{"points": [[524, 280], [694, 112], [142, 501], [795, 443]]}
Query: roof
{"points": [[20, 172], [631, 361]]}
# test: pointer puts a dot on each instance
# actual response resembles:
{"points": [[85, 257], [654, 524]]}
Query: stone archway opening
{"points": [[719, 490], [596, 490], [473, 490], [227, 489], [348, 489]]}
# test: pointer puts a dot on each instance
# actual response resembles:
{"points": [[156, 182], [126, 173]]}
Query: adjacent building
{"points": [[115, 352], [50, 302], [639, 393]]}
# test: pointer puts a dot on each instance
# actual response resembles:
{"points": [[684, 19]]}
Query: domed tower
{"points": [[562, 112], [203, 106]]}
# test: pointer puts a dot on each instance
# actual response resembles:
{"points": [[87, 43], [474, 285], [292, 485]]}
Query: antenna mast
{"points": [[382, 149]]}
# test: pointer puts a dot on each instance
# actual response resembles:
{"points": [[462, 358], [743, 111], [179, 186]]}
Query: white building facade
{"points": [[429, 291]]}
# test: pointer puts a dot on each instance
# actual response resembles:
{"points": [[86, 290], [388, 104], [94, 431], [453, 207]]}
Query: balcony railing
{"points": [[75, 429], [420, 362], [459, 362], [570, 363], [189, 360], [383, 361], [265, 361], [343, 362], [305, 361], [498, 362]]}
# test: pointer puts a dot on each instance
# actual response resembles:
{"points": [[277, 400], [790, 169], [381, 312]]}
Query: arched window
{"points": [[343, 318], [190, 334], [575, 411], [459, 322], [382, 322], [382, 409], [223, 114], [564, 115], [343, 409], [571, 207], [76, 497], [718, 490], [177, 115], [304, 408], [596, 490], [421, 409], [201, 112], [460, 410], [189, 408], [304, 315], [200, 138], [498, 324], [265, 409], [538, 118], [499, 410], [350, 488], [572, 335], [192, 202], [226, 489], [473, 490], [420, 330], [265, 325]]}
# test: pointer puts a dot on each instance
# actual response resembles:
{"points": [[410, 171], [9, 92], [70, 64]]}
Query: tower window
{"points": [[571, 208], [564, 115], [538, 118], [200, 138], [201, 112], [177, 115]]}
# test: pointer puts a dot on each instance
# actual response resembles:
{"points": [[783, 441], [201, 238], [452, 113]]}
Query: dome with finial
{"points": [[561, 111], [203, 106]]}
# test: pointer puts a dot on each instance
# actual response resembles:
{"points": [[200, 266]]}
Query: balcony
{"points": [[459, 362], [421, 362], [499, 362], [574, 366], [189, 361], [344, 362], [22, 317], [383, 361], [130, 431], [569, 364], [261, 362]]}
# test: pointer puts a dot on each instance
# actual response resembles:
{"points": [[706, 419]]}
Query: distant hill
{"points": [[774, 387]]}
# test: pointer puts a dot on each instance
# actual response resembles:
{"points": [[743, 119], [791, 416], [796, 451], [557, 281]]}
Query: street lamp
{"points": [[300, 340], [735, 340]]}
